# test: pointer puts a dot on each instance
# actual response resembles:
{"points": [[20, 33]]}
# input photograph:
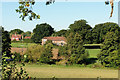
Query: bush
{"points": [[18, 57], [39, 53], [34, 52], [47, 53]]}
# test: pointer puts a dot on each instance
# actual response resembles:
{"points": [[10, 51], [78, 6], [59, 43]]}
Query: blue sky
{"points": [[59, 15]]}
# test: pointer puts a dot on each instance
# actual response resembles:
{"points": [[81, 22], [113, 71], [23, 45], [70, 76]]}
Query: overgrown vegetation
{"points": [[9, 69], [39, 53], [109, 55]]}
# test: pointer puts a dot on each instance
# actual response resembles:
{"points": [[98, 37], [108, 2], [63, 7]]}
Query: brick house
{"points": [[16, 37], [55, 40]]}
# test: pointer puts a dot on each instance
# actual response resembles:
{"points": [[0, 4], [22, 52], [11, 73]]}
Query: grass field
{"points": [[48, 71], [93, 52], [21, 45]]}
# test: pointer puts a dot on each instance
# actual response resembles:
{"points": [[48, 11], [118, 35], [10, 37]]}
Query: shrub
{"points": [[18, 57], [34, 52]]}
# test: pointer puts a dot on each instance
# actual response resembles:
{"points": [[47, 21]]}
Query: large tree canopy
{"points": [[60, 33], [17, 31], [109, 55], [100, 30], [28, 33], [83, 29], [42, 30]]}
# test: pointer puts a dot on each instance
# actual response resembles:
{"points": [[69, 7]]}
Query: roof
{"points": [[55, 38]]}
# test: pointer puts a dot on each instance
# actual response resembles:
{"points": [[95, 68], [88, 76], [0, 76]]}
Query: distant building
{"points": [[55, 40], [16, 37]]}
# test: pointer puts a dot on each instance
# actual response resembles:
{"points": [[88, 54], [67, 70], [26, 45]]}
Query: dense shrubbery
{"points": [[110, 56], [39, 53], [74, 52]]}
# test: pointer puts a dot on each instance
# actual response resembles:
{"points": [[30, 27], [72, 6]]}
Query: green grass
{"points": [[48, 71], [93, 45], [21, 45], [93, 52]]}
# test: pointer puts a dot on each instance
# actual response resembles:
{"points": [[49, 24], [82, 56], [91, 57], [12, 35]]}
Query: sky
{"points": [[59, 15]]}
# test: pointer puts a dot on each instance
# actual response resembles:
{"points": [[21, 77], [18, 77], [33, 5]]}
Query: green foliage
{"points": [[6, 41], [78, 52], [39, 53], [46, 56], [109, 55], [28, 33], [100, 30], [25, 10], [9, 69], [60, 33], [42, 30], [17, 31], [21, 45], [18, 57], [34, 52], [64, 51], [11, 72], [83, 29]]}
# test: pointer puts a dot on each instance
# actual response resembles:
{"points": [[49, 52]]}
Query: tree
{"points": [[9, 68], [42, 30], [100, 30], [6, 41], [60, 33], [83, 29], [46, 56], [109, 55], [78, 52], [28, 33], [34, 52], [17, 31]]}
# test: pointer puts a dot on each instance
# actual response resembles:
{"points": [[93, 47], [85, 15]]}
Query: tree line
{"points": [[80, 33]]}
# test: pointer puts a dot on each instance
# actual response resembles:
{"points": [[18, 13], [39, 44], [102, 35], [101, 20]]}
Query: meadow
{"points": [[60, 71]]}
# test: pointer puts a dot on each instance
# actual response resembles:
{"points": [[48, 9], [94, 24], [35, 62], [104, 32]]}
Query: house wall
{"points": [[43, 41], [55, 42], [59, 42]]}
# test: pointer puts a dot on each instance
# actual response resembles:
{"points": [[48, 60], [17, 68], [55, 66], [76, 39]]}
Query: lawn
{"points": [[48, 71], [21, 45], [93, 52]]}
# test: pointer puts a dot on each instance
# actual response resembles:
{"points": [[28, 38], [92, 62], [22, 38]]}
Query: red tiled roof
{"points": [[55, 38]]}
